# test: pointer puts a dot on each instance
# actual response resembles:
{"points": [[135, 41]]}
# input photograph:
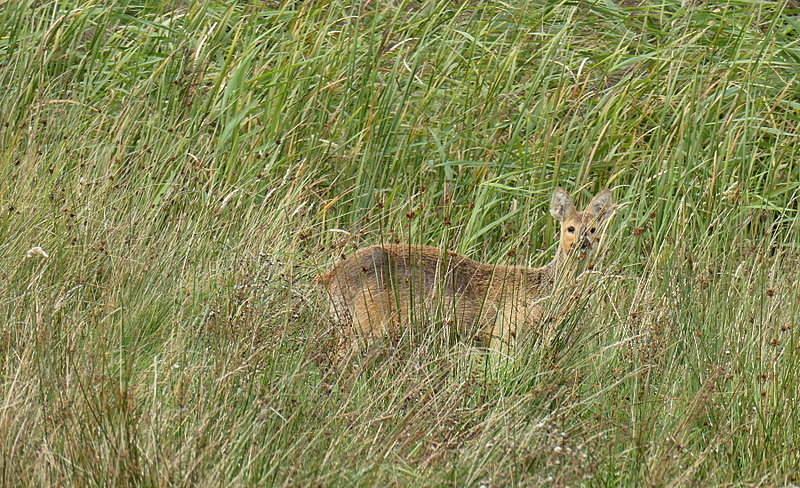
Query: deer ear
{"points": [[561, 204], [601, 206]]}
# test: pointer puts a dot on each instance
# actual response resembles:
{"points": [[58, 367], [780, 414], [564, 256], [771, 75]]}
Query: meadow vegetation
{"points": [[189, 167]]}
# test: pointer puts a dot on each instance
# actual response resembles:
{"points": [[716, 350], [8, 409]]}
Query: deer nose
{"points": [[586, 242]]}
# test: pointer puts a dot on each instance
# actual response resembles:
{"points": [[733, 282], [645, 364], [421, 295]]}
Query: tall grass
{"points": [[190, 166]]}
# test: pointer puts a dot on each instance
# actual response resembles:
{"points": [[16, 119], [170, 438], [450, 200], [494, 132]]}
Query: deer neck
{"points": [[565, 266], [561, 268]]}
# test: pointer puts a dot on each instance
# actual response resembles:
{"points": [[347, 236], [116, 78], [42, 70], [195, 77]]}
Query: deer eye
{"points": [[570, 229], [592, 230]]}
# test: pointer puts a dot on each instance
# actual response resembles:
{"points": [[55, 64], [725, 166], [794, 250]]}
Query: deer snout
{"points": [[586, 242]]}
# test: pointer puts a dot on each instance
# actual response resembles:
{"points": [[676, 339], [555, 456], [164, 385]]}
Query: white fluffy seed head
{"points": [[36, 251]]}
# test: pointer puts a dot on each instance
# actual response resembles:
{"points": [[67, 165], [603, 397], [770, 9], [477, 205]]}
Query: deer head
{"points": [[580, 231]]}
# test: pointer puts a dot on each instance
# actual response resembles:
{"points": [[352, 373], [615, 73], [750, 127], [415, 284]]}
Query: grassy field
{"points": [[189, 167]]}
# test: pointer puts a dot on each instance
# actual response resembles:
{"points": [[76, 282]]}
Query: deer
{"points": [[380, 290]]}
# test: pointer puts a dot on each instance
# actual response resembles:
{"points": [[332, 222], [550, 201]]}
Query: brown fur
{"points": [[382, 288]]}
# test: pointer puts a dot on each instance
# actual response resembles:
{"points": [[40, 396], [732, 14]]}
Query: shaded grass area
{"points": [[189, 167]]}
